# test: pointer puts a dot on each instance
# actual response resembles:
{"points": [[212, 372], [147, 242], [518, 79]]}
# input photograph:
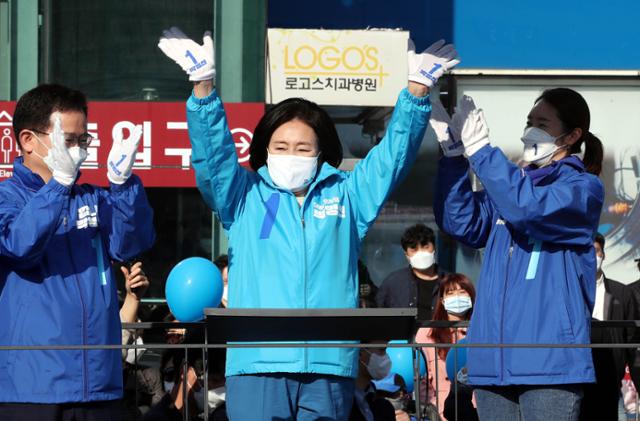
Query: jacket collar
{"points": [[28, 178], [322, 174], [538, 174], [25, 176]]}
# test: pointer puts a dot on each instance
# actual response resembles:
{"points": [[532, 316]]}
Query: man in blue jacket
{"points": [[57, 239]]}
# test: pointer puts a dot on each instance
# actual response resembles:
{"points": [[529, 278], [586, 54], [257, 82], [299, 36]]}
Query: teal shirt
{"points": [[283, 255]]}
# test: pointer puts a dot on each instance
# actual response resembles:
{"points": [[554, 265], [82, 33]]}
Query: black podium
{"points": [[353, 324], [295, 325]]}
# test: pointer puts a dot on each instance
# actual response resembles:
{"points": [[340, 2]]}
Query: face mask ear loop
{"points": [[42, 143]]}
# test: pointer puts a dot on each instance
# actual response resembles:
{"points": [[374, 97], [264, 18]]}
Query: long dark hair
{"points": [[573, 111], [449, 283], [311, 114]]}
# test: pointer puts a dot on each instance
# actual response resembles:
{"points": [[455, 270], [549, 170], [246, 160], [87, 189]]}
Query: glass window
{"points": [[409, 204], [183, 229], [108, 49]]}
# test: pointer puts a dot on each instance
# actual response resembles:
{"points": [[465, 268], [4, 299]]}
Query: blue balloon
{"points": [[193, 285], [402, 363], [456, 360]]}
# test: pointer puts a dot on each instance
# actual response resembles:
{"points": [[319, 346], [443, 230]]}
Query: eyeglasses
{"points": [[83, 140]]}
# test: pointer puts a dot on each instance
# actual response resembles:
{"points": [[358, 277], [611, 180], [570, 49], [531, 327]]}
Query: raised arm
{"points": [[125, 214], [27, 223], [26, 228], [386, 165], [565, 212], [219, 177], [221, 180], [463, 214]]}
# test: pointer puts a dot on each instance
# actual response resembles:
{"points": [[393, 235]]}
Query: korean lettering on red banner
{"points": [[164, 155]]}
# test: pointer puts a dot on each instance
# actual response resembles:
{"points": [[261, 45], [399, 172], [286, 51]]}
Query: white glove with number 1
{"points": [[470, 123], [196, 60], [448, 138], [123, 155], [427, 67], [59, 160]]}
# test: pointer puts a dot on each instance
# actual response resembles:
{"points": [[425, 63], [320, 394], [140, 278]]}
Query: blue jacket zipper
{"points": [[504, 299], [304, 265], [84, 318]]}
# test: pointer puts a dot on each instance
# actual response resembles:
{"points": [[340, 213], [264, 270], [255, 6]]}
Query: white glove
{"points": [[425, 68], [197, 60], [59, 159], [441, 124], [123, 155], [470, 123]]}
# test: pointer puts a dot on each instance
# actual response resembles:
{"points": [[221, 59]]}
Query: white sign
{"points": [[330, 67]]}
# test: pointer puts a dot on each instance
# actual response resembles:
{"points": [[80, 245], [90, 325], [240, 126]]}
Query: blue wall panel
{"points": [[522, 34], [542, 34]]}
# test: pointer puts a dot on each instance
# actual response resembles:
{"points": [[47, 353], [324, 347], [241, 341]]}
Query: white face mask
{"points": [[225, 292], [78, 154], [458, 305], [422, 259], [292, 172], [539, 146], [599, 263], [379, 366]]}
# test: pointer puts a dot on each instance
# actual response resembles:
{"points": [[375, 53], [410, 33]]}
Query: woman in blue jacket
{"points": [[536, 223], [295, 224]]}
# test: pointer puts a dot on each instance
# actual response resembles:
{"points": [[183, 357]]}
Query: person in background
{"points": [[455, 303], [142, 384], [172, 405], [614, 301], [394, 389], [634, 287], [375, 364], [222, 263], [415, 285]]}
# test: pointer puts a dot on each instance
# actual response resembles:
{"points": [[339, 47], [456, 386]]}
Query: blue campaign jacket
{"points": [[283, 255], [537, 283], [57, 287]]}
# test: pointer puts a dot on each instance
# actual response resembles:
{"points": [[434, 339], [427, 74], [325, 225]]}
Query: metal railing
{"points": [[204, 346]]}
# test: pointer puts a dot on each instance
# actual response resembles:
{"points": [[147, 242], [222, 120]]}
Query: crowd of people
{"points": [[295, 225]]}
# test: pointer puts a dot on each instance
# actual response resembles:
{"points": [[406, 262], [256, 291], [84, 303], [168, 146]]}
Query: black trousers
{"points": [[600, 401], [80, 411]]}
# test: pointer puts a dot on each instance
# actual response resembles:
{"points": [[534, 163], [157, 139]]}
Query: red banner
{"points": [[164, 155]]}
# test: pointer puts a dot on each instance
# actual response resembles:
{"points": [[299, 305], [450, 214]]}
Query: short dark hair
{"points": [[221, 261], [308, 112], [599, 238], [417, 235], [35, 107]]}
